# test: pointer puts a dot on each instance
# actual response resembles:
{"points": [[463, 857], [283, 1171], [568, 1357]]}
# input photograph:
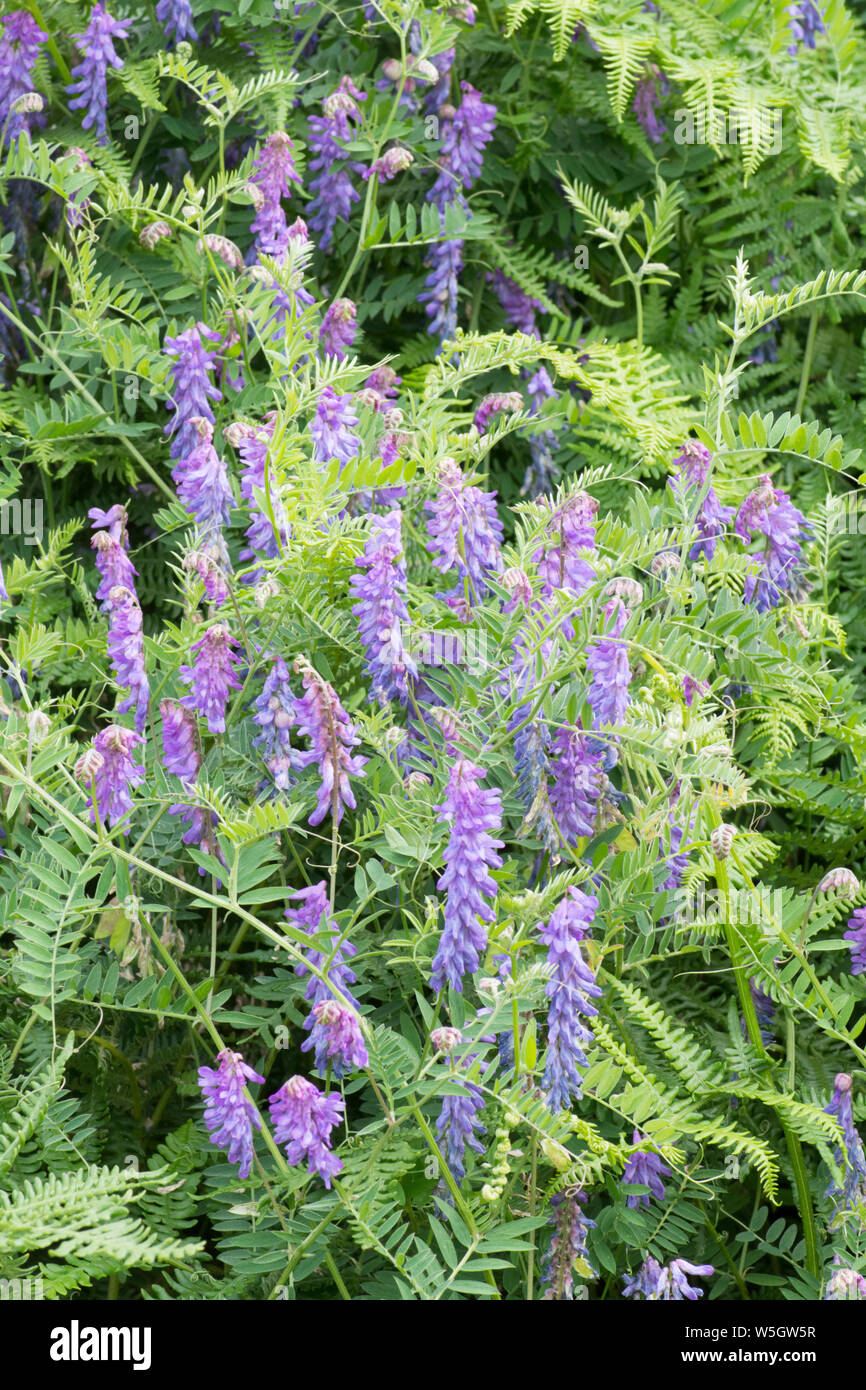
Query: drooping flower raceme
{"points": [[256, 476], [273, 173], [473, 812], [331, 733], [577, 782], [126, 650], [381, 610], [116, 773], [770, 512], [179, 749], [850, 1154], [805, 21], [20, 41], [459, 1126], [645, 1167], [607, 663], [229, 1116], [111, 544], [90, 90], [339, 327], [648, 95], [332, 426], [856, 938], [334, 1028], [464, 529], [331, 184], [203, 482], [176, 18], [570, 989], [211, 676], [192, 389], [275, 715], [693, 463], [665, 1283], [303, 1118], [567, 1246]]}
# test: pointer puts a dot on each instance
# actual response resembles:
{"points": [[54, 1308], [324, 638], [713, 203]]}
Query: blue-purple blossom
{"points": [[337, 1038], [607, 663], [115, 773], [648, 95], [179, 741], [192, 389], [252, 444], [20, 42], [844, 1285], [463, 142], [645, 1166], [334, 1028], [770, 512], [228, 1114], [332, 426], [111, 544], [665, 1283], [90, 90], [459, 1125], [567, 1246], [569, 537], [203, 482], [805, 20], [472, 812], [338, 330], [570, 988], [765, 1011], [303, 1118], [576, 784], [381, 610], [332, 735], [176, 18], [275, 715], [273, 173], [690, 483], [211, 676], [849, 1155], [464, 529], [126, 650], [439, 296], [856, 938], [331, 182]]}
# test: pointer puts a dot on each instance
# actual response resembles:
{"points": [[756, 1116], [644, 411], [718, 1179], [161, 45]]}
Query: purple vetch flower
{"points": [[179, 741], [338, 330], [252, 445], [567, 1246], [844, 1284], [332, 188], [542, 471], [275, 716], [337, 1038], [381, 609], [203, 482], [20, 42], [90, 91], [693, 464], [393, 162], [228, 1114], [498, 403], [440, 294], [383, 382], [126, 650], [577, 782], [665, 1283], [676, 860], [206, 562], [111, 544], [691, 688], [644, 1167], [805, 21], [116, 773], [648, 95], [211, 676], [856, 938], [840, 880], [176, 18], [192, 389], [607, 664], [332, 426], [850, 1154], [463, 142], [770, 512], [464, 529], [518, 307], [472, 812], [458, 1127], [322, 719], [202, 824], [303, 1118], [272, 174], [570, 535], [765, 1011], [570, 989]]}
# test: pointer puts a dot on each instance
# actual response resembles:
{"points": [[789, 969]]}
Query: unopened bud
{"points": [[721, 840], [841, 881]]}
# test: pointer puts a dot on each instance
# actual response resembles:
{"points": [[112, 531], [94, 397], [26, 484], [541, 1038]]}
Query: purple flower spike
{"points": [[303, 1119], [275, 716], [322, 719], [90, 91], [332, 427], [458, 1127], [440, 295], [179, 747], [647, 1168], [381, 610], [607, 663], [665, 1284], [111, 544], [577, 784], [332, 187], [20, 42], [463, 143], [472, 812], [499, 403], [770, 512], [116, 773], [126, 650], [856, 937], [337, 1038], [252, 445], [570, 989], [202, 481], [273, 173], [192, 389], [693, 464], [648, 95], [567, 1245], [850, 1155], [464, 529], [805, 21], [562, 563], [338, 330], [228, 1114], [211, 676], [176, 18]]}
